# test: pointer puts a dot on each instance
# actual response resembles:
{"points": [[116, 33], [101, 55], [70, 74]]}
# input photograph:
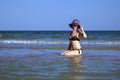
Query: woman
{"points": [[74, 48]]}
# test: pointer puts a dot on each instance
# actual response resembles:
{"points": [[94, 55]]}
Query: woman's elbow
{"points": [[84, 37]]}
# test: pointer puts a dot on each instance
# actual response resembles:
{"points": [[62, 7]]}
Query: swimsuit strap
{"points": [[74, 37]]}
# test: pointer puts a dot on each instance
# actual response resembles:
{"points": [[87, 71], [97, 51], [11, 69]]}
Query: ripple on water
{"points": [[35, 66]]}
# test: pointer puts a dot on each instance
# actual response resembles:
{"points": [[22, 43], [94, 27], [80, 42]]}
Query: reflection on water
{"points": [[48, 65], [74, 68]]}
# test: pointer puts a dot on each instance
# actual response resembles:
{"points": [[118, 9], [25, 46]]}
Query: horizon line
{"points": [[58, 30]]}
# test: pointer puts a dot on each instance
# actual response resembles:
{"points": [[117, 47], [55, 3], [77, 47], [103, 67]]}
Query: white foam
{"points": [[31, 42], [56, 42], [102, 42]]}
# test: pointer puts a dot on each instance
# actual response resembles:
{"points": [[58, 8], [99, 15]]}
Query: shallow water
{"points": [[35, 55], [28, 64]]}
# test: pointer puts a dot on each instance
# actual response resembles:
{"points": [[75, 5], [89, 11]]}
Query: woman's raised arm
{"points": [[84, 35]]}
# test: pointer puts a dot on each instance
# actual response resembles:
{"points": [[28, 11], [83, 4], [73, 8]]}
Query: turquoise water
{"points": [[35, 55]]}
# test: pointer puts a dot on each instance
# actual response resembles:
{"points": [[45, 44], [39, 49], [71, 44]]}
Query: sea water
{"points": [[58, 39], [35, 55]]}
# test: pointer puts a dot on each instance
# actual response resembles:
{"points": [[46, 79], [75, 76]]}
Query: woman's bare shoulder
{"points": [[79, 32]]}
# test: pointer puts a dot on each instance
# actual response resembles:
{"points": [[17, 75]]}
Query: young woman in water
{"points": [[74, 48]]}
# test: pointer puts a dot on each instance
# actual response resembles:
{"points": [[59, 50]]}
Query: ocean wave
{"points": [[56, 42], [102, 42], [31, 42]]}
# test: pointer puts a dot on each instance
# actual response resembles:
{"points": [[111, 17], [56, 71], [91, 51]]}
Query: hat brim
{"points": [[72, 24]]}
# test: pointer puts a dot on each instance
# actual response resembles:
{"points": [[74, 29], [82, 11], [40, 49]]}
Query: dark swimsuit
{"points": [[75, 38]]}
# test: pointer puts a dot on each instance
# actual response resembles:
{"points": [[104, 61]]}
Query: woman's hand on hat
{"points": [[81, 27]]}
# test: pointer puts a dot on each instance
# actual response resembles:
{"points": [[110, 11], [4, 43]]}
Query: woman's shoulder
{"points": [[79, 33]]}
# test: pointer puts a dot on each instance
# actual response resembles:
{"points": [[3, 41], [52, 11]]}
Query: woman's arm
{"points": [[84, 35], [69, 46]]}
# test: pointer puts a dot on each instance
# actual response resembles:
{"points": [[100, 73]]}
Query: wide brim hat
{"points": [[75, 22]]}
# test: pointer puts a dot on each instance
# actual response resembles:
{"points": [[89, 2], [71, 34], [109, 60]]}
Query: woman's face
{"points": [[74, 27]]}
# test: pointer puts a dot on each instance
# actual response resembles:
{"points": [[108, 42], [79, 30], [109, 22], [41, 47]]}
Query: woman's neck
{"points": [[75, 29]]}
